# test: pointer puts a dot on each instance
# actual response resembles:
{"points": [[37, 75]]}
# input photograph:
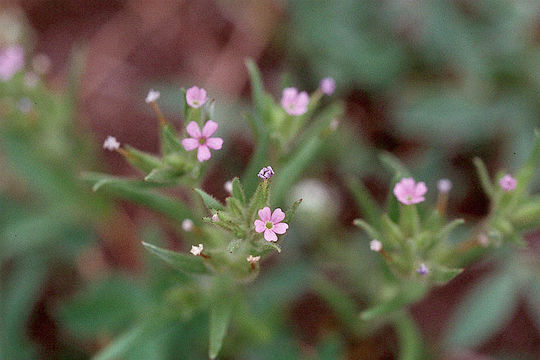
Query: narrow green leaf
{"points": [[258, 200], [170, 142], [238, 190], [220, 314], [393, 164], [392, 204], [289, 214], [294, 168], [442, 274], [256, 163], [448, 228], [257, 88], [370, 210], [138, 192], [141, 160], [340, 302], [209, 200], [399, 301], [187, 263], [121, 345], [485, 181], [164, 175], [410, 338], [370, 231]]}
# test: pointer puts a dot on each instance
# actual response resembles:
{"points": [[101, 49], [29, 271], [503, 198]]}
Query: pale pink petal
{"points": [[269, 235], [193, 130], [303, 99], [214, 143], [421, 189], [190, 144], [280, 228], [209, 128], [277, 216], [265, 214], [203, 153], [260, 226], [289, 93]]}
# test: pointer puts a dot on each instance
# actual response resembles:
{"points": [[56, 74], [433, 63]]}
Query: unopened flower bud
{"points": [[444, 185], [266, 173], [187, 225], [423, 269], [228, 186], [375, 245]]}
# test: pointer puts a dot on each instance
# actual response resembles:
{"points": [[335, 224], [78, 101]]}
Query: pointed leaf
{"points": [[289, 214], [485, 181], [188, 263], [209, 200], [238, 190], [368, 206], [140, 159]]}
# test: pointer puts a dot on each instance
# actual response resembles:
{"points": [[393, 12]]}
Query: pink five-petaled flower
{"points": [[202, 140], [408, 192], [508, 183], [196, 97], [271, 223], [293, 102], [11, 61]]}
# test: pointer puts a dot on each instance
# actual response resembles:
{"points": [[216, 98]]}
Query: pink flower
{"points": [[271, 224], [11, 61], [408, 192], [202, 140], [422, 269], [196, 97], [508, 183], [328, 86], [294, 103]]}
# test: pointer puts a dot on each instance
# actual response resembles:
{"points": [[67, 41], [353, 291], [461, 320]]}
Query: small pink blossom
{"points": [[196, 97], [408, 192], [328, 86], [271, 223], [11, 61], [508, 183], [293, 102], [202, 140]]}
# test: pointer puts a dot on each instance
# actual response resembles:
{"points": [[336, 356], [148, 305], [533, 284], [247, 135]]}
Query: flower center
{"points": [[202, 140], [269, 225]]}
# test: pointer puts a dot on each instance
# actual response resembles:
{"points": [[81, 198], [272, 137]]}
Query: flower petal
{"points": [[259, 226], [190, 144], [280, 228], [214, 143], [420, 189], [269, 235], [209, 128], [203, 153], [193, 130], [265, 214], [278, 216]]}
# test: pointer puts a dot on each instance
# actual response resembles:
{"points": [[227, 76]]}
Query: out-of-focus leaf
{"points": [[365, 201], [442, 274], [340, 302], [293, 168], [483, 174], [331, 348], [122, 344], [485, 309], [289, 214], [187, 263], [19, 294], [141, 160], [103, 307], [138, 192], [410, 338], [399, 301], [210, 201], [220, 316]]}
